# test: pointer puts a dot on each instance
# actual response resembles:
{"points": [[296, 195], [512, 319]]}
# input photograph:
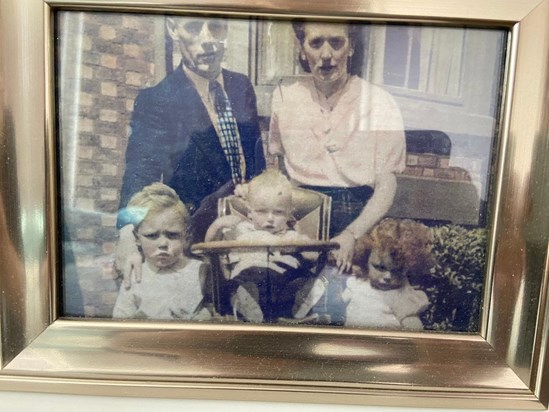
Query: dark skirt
{"points": [[347, 203]]}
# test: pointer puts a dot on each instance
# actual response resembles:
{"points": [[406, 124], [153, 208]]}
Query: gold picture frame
{"points": [[504, 366]]}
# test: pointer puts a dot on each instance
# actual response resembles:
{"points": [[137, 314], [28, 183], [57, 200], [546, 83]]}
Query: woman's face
{"points": [[327, 49]]}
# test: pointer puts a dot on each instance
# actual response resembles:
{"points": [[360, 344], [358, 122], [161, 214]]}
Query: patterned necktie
{"points": [[228, 129]]}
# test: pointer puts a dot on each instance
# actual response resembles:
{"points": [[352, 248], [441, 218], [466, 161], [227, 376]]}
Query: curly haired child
{"points": [[379, 294]]}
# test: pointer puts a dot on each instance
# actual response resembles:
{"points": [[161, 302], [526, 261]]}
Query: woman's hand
{"points": [[241, 190], [344, 255], [128, 259]]}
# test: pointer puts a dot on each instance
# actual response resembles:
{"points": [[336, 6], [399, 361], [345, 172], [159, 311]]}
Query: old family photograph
{"points": [[289, 172]]}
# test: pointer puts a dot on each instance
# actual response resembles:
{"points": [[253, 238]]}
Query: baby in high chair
{"points": [[379, 293], [265, 283], [173, 285]]}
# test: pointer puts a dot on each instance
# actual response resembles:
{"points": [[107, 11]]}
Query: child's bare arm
{"points": [[215, 231], [241, 190], [125, 306]]}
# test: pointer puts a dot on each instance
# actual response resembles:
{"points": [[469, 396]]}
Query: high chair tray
{"points": [[224, 246]]}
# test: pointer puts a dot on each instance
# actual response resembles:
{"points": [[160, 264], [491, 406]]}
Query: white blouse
{"points": [[343, 141]]}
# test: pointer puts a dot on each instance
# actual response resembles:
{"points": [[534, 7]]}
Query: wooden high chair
{"points": [[311, 211]]}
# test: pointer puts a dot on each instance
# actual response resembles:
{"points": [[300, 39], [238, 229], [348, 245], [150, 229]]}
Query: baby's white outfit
{"points": [[245, 232]]}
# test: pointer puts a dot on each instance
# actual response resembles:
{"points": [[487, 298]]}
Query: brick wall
{"points": [[99, 86], [434, 166]]}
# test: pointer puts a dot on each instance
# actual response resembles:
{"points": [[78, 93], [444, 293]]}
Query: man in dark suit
{"points": [[197, 131]]}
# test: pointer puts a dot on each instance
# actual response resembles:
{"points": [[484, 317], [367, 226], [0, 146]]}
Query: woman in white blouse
{"points": [[338, 134]]}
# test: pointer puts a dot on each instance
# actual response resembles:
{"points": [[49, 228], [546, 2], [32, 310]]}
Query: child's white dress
{"points": [[163, 295], [375, 308]]}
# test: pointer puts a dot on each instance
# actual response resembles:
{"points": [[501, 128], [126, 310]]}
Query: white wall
{"points": [[23, 402]]}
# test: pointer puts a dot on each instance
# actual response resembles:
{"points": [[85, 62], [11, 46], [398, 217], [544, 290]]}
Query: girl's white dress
{"points": [[371, 307], [163, 295]]}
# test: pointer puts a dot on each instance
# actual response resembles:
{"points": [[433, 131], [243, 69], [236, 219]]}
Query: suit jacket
{"points": [[174, 140]]}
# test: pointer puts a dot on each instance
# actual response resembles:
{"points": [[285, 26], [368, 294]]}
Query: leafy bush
{"points": [[455, 284]]}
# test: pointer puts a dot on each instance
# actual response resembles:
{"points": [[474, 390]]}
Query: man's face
{"points": [[326, 47], [202, 43], [162, 239], [269, 211]]}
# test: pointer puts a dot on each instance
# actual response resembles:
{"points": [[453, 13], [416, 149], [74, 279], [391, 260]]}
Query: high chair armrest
{"points": [[226, 246]]}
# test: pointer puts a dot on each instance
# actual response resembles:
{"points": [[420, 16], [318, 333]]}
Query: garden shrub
{"points": [[454, 285]]}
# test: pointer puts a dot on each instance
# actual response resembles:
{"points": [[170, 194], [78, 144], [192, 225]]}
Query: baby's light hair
{"points": [[272, 180], [156, 198]]}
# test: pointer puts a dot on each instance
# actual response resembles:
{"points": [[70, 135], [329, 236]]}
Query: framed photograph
{"points": [[243, 200]]}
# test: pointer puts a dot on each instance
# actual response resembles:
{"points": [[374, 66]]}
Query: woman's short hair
{"points": [[355, 37]]}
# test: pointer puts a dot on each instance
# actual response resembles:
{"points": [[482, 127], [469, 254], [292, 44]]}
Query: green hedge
{"points": [[454, 285]]}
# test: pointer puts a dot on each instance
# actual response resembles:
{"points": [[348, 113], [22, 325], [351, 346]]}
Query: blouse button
{"points": [[332, 148]]}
